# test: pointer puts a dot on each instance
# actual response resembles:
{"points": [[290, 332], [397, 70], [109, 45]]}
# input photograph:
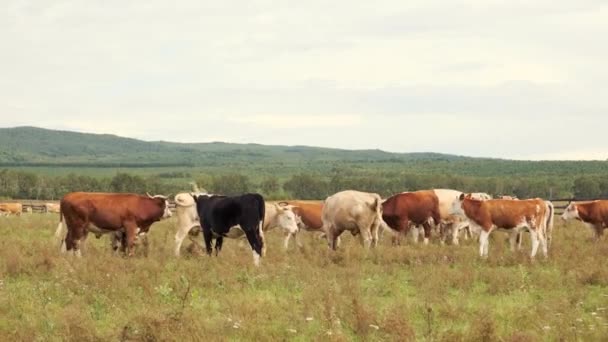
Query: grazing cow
{"points": [[11, 209], [231, 217], [593, 213], [419, 208], [308, 216], [101, 213], [188, 222], [355, 211], [454, 224], [510, 215], [51, 207]]}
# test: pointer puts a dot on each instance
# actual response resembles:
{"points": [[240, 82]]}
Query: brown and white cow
{"points": [[418, 203], [407, 209], [308, 217], [11, 209], [103, 213], [510, 215], [355, 211], [188, 222], [593, 213]]}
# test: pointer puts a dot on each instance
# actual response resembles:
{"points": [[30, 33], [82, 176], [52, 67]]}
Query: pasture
{"points": [[408, 292]]}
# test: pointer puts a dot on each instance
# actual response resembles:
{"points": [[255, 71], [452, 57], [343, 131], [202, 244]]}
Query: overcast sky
{"points": [[511, 79]]}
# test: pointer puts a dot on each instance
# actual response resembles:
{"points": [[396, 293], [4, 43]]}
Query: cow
{"points": [[594, 214], [355, 211], [232, 217], [308, 216], [426, 208], [11, 209], [51, 207], [102, 213], [509, 215], [188, 222], [418, 208]]}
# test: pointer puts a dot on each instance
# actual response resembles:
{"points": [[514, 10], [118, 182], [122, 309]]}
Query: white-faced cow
{"points": [[355, 211], [188, 222], [101, 213], [308, 217], [509, 215], [231, 217], [594, 214]]}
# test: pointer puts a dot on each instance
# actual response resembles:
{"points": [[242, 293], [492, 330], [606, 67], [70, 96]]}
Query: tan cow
{"points": [[11, 209], [275, 216], [594, 214], [51, 207], [355, 211], [509, 215]]}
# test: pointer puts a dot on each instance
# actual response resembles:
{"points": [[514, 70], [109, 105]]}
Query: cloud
{"points": [[525, 74]]}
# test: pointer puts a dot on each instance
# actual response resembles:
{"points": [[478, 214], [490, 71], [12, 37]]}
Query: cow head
{"points": [[456, 208], [286, 218], [165, 201], [571, 212]]}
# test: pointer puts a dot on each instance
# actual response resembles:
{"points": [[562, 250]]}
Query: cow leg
{"points": [[131, 232], [115, 239], [543, 243], [483, 243], [180, 235], [427, 232], [219, 241], [365, 237], [374, 232], [599, 231], [208, 237], [332, 237], [535, 242], [415, 233], [262, 239], [295, 238], [255, 244]]}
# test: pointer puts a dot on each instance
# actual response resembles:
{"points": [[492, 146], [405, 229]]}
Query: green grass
{"points": [[428, 293]]}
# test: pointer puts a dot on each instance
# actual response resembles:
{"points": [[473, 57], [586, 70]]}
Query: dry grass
{"points": [[427, 293]]}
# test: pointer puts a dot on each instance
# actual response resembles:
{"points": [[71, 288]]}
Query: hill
{"points": [[38, 147]]}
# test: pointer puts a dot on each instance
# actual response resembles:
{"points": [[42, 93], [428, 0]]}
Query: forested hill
{"points": [[30, 146]]}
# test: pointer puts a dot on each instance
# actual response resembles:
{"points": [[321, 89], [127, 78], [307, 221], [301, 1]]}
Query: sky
{"points": [[505, 79]]}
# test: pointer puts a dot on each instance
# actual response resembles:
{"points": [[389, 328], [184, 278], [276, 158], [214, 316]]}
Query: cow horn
{"points": [[147, 193], [283, 203]]}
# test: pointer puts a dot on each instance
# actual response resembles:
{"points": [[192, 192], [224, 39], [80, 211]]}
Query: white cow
{"points": [[355, 211], [276, 216]]}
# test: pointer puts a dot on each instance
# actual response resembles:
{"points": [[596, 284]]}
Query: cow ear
{"points": [[461, 197]]}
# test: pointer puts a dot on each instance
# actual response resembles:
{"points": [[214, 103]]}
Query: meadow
{"points": [[408, 292]]}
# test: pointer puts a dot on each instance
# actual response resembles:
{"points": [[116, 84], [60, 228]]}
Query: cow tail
{"points": [[62, 229], [262, 212], [549, 221]]}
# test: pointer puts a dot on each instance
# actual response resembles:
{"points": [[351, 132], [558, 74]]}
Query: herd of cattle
{"points": [[128, 218]]}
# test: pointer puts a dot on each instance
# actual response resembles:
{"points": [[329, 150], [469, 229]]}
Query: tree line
{"points": [[16, 184]]}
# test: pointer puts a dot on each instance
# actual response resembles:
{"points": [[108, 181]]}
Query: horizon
{"points": [[520, 81]]}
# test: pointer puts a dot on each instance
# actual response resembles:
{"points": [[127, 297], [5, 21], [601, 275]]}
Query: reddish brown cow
{"points": [[102, 213], [594, 214], [511, 215], [308, 217], [403, 210]]}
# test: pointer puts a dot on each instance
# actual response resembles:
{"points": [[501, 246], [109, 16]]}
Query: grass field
{"points": [[427, 293]]}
